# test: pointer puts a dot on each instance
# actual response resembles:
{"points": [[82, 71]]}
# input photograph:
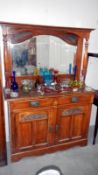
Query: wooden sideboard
{"points": [[48, 123]]}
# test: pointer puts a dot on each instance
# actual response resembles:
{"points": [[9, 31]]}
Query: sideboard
{"points": [[50, 121]]}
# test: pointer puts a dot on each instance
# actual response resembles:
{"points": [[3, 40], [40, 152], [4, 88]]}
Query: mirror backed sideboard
{"points": [[53, 115]]}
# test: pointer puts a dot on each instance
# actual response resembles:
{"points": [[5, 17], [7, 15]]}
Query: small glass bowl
{"points": [[27, 85]]}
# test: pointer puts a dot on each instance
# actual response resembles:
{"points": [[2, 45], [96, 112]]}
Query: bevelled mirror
{"points": [[43, 51]]}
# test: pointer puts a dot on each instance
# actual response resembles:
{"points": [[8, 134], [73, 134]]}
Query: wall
{"points": [[77, 13]]}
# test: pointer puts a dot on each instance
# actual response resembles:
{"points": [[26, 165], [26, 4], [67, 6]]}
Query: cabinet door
{"points": [[72, 123], [32, 129]]}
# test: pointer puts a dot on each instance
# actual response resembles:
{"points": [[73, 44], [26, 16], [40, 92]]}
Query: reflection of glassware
{"points": [[29, 69], [74, 71], [65, 84], [47, 75], [70, 68], [62, 86], [54, 74]]}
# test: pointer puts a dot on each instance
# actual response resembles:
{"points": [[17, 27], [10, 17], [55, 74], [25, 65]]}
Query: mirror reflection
{"points": [[42, 51]]}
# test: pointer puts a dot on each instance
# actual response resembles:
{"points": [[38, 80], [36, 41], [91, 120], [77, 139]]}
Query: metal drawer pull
{"points": [[34, 103], [74, 99]]}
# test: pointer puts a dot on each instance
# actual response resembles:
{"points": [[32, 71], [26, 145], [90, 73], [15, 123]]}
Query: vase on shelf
{"points": [[14, 84]]}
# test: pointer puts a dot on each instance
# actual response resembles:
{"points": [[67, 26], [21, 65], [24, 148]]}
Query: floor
{"points": [[81, 160]]}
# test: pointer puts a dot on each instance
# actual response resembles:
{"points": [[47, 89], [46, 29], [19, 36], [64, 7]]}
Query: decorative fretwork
{"points": [[20, 36], [31, 117], [71, 38], [72, 111]]}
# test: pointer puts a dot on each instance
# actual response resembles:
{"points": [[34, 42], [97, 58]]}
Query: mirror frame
{"points": [[11, 29]]}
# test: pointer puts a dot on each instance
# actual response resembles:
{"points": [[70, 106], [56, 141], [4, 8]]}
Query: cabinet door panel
{"points": [[23, 134], [31, 129], [70, 119], [41, 131], [64, 123], [31, 133], [76, 127], [64, 131]]}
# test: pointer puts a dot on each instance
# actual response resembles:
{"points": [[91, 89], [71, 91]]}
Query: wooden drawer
{"points": [[21, 104], [75, 99]]}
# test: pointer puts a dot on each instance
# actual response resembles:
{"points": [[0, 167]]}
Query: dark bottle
{"points": [[14, 85]]}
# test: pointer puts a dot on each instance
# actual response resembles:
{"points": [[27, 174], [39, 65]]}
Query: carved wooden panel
{"points": [[30, 117], [72, 111]]}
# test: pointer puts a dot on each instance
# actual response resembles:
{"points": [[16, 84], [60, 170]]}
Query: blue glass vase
{"points": [[14, 84]]}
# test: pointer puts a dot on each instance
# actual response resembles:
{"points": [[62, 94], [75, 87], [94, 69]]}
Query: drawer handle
{"points": [[74, 99], [34, 103]]}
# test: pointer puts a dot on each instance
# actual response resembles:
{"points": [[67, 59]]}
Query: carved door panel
{"points": [[70, 122], [33, 129]]}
